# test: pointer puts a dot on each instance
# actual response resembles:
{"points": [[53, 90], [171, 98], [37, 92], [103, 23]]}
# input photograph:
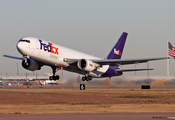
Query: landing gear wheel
{"points": [[54, 78], [57, 77], [83, 79], [90, 78], [87, 78], [50, 78]]}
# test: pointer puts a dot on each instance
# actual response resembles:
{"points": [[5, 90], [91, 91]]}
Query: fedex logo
{"points": [[48, 47], [117, 52], [91, 65]]}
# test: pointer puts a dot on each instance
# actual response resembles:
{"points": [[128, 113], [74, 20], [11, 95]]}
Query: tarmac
{"points": [[59, 87], [91, 116]]}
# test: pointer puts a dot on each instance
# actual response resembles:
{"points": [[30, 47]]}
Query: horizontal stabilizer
{"points": [[128, 70], [8, 56]]}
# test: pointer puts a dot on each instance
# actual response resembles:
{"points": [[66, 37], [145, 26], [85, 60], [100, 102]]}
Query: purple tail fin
{"points": [[117, 50]]}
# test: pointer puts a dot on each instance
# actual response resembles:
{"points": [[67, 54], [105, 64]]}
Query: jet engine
{"points": [[86, 65], [30, 64]]}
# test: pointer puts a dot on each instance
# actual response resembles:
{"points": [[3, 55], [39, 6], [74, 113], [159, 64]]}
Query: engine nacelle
{"points": [[31, 65], [86, 65]]}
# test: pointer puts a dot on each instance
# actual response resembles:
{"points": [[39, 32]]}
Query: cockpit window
{"points": [[28, 41]]}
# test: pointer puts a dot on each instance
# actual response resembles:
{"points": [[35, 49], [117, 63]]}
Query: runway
{"points": [[58, 87], [91, 116]]}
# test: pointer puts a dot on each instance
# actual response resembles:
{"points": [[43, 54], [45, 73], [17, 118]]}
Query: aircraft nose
{"points": [[19, 46]]}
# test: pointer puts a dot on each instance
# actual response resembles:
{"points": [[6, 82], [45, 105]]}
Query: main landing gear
{"points": [[54, 77], [88, 78], [57, 77]]}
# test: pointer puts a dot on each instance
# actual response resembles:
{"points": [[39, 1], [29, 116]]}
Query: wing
{"points": [[114, 62], [17, 58]]}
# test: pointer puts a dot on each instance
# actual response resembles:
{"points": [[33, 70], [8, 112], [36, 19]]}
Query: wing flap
{"points": [[68, 60]]}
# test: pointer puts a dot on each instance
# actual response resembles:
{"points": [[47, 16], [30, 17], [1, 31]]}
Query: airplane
{"points": [[50, 82], [37, 53]]}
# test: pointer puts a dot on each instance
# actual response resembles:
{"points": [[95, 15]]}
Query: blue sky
{"points": [[91, 26]]}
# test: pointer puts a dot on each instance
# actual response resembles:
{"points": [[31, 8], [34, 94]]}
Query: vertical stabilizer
{"points": [[117, 50]]}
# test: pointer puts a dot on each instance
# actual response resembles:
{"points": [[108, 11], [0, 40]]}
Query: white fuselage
{"points": [[54, 55]]}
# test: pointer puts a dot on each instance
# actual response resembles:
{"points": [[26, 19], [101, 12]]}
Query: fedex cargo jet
{"points": [[37, 53]]}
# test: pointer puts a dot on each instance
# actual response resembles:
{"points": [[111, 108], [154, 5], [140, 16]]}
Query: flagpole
{"points": [[167, 61]]}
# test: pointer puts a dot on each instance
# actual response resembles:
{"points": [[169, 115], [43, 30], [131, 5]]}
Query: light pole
{"points": [[148, 70], [36, 74], [17, 69]]}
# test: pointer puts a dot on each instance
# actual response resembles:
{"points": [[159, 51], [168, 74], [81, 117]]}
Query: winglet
{"points": [[117, 50]]}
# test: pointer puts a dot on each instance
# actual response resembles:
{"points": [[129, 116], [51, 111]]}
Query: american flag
{"points": [[171, 50]]}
